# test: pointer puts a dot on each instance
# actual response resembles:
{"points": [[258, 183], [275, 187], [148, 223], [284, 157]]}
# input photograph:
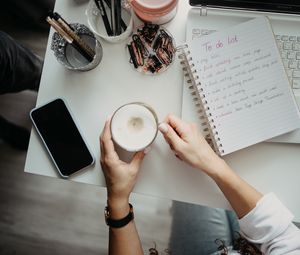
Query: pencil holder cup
{"points": [[96, 24], [67, 55]]}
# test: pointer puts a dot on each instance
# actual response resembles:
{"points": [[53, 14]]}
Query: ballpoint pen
{"points": [[100, 6]]}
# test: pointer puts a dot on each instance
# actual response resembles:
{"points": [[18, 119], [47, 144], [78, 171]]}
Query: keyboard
{"points": [[289, 47]]}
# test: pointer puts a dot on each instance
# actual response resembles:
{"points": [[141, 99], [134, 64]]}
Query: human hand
{"points": [[120, 176], [189, 145]]}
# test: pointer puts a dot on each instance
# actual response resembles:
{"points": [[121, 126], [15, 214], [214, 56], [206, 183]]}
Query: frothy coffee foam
{"points": [[133, 127]]}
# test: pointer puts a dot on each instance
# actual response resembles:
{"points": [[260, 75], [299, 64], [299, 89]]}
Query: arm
{"points": [[263, 219], [242, 196], [190, 146], [120, 179]]}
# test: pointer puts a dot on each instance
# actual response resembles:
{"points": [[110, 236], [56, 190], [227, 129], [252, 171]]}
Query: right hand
{"points": [[189, 145], [120, 176]]}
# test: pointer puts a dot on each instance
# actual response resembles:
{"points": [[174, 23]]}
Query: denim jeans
{"points": [[195, 229], [20, 69]]}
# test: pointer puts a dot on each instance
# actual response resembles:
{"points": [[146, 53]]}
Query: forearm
{"points": [[124, 240], [242, 196]]}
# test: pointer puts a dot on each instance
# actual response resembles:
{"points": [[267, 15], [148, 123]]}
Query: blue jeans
{"points": [[20, 69], [195, 229]]}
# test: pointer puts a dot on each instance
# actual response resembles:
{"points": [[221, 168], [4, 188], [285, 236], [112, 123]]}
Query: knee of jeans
{"points": [[6, 44], [4, 38], [2, 34]]}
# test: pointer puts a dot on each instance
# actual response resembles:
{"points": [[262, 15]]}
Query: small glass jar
{"points": [[155, 11]]}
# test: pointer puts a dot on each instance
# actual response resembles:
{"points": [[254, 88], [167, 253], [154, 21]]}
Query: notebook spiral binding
{"points": [[206, 119]]}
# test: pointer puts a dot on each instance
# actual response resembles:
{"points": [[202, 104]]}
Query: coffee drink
{"points": [[134, 126]]}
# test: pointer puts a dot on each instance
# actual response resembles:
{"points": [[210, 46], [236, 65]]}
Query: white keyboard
{"points": [[289, 47]]}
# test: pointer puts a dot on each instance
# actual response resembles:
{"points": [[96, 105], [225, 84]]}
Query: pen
{"points": [[123, 24], [100, 6], [69, 30], [59, 30], [68, 38]]}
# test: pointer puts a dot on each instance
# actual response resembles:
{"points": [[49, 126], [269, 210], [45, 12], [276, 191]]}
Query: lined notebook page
{"points": [[245, 84]]}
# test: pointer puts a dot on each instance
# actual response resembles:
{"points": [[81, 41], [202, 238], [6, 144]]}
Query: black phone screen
{"points": [[61, 136]]}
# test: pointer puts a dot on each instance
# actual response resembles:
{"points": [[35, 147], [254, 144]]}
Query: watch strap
{"points": [[121, 222]]}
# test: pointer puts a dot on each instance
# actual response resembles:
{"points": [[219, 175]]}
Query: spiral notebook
{"points": [[238, 85]]}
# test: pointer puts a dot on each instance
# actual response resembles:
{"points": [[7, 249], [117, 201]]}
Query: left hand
{"points": [[120, 176]]}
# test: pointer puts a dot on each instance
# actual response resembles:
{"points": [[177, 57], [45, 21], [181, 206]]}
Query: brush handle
{"points": [[123, 24], [100, 5]]}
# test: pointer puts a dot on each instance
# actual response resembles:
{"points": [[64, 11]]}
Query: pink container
{"points": [[155, 11]]}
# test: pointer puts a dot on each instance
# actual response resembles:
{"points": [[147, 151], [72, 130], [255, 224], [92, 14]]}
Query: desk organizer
{"points": [[69, 57], [151, 49]]}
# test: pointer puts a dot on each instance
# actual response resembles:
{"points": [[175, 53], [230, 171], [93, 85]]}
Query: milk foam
{"points": [[133, 127]]}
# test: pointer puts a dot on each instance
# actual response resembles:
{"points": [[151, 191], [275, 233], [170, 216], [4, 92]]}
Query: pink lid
{"points": [[158, 6]]}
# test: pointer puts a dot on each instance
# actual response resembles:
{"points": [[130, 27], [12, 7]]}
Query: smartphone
{"points": [[61, 137]]}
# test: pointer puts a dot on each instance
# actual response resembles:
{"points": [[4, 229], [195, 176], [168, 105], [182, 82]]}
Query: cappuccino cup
{"points": [[134, 126]]}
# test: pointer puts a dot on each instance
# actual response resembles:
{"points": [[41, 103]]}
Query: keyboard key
{"points": [[292, 38], [298, 38], [291, 55], [289, 73], [285, 63], [278, 37], [298, 64], [280, 45], [298, 55], [296, 84], [287, 45], [296, 46], [284, 55], [296, 74], [284, 37], [292, 64]]}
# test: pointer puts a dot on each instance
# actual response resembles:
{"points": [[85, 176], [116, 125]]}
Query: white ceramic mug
{"points": [[134, 126]]}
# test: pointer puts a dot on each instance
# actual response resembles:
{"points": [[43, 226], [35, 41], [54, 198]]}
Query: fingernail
{"points": [[147, 150], [163, 127]]}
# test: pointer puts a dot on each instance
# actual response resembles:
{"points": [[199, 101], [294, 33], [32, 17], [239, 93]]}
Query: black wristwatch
{"points": [[118, 223]]}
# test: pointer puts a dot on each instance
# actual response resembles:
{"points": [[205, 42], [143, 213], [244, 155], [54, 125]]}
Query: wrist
{"points": [[209, 163], [118, 207], [221, 172], [214, 167]]}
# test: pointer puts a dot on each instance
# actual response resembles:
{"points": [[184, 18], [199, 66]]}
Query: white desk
{"points": [[94, 95]]}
